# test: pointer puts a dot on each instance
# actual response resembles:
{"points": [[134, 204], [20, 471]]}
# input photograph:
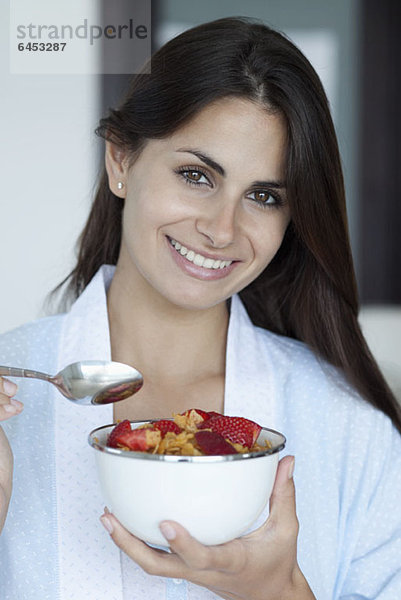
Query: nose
{"points": [[219, 223]]}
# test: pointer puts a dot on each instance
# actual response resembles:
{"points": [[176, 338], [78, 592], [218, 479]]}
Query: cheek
{"points": [[139, 216], [268, 241], [155, 208]]}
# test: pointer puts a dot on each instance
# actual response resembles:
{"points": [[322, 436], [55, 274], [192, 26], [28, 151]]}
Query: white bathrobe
{"points": [[347, 477]]}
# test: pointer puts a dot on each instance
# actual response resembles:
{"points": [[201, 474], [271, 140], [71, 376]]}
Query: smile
{"points": [[198, 259]]}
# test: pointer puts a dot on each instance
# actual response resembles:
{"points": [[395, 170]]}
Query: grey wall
{"points": [[47, 168]]}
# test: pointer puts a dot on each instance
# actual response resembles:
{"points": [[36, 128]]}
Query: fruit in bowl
{"points": [[211, 473]]}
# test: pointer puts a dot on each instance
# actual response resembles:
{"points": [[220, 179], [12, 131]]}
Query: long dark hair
{"points": [[308, 291]]}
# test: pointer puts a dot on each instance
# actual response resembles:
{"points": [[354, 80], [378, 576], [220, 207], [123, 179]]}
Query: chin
{"points": [[197, 304], [196, 301]]}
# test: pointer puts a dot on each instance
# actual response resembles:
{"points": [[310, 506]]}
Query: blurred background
{"points": [[50, 157]]}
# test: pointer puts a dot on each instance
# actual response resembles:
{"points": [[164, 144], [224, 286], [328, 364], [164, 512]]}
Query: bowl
{"points": [[216, 498]]}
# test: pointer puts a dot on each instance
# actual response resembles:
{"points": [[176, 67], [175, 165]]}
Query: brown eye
{"points": [[265, 199], [261, 196], [194, 175]]}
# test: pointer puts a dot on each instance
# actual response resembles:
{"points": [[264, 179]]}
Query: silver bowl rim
{"points": [[183, 459]]}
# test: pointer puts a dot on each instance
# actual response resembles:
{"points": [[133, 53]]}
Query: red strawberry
{"points": [[120, 428], [213, 443], [202, 413], [236, 429], [199, 411], [140, 439], [212, 413], [165, 425]]}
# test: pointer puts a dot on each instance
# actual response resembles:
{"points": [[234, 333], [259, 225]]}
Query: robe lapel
{"points": [[250, 390], [250, 384]]}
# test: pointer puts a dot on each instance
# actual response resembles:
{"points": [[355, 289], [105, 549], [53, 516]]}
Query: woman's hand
{"points": [[259, 566], [8, 408]]}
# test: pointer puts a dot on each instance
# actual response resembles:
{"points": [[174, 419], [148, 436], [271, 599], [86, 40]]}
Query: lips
{"points": [[198, 259]]}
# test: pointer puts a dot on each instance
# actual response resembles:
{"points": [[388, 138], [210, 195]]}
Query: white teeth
{"points": [[198, 259], [208, 263]]}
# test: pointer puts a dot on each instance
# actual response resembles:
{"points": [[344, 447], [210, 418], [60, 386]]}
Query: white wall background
{"points": [[48, 164]]}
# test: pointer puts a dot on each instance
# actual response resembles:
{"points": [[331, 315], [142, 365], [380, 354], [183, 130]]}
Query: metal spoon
{"points": [[89, 381]]}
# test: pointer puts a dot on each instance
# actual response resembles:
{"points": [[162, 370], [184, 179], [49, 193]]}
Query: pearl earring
{"points": [[120, 185]]}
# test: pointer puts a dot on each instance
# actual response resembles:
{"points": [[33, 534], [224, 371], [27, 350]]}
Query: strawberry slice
{"points": [[202, 413], [165, 425], [236, 429], [123, 427], [212, 413], [139, 439], [213, 443]]}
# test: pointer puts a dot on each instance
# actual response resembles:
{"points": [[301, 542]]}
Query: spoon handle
{"points": [[15, 372]]}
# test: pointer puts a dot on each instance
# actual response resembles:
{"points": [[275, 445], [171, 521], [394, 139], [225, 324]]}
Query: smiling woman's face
{"points": [[205, 208]]}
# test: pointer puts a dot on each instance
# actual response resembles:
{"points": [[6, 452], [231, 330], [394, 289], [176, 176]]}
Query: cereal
{"points": [[182, 435]]}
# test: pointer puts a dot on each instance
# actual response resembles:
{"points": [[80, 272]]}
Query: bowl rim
{"points": [[183, 459]]}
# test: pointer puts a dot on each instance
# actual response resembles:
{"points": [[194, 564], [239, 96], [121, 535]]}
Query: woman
{"points": [[222, 207]]}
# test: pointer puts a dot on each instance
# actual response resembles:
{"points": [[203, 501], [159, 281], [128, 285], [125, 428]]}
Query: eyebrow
{"points": [[207, 160]]}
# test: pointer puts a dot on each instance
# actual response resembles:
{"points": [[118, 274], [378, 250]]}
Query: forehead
{"points": [[235, 132], [235, 119]]}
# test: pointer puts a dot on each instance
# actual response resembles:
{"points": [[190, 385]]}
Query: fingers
{"points": [[190, 550], [224, 557], [188, 558], [151, 560], [8, 405]]}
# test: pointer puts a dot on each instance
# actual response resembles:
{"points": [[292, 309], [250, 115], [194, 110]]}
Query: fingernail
{"points": [[168, 531], [18, 405], [106, 524], [10, 408], [9, 387], [291, 468]]}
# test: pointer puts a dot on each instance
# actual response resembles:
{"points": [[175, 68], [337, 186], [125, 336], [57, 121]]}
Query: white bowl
{"points": [[216, 498]]}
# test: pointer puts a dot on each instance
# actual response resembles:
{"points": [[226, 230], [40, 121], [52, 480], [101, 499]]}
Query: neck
{"points": [[167, 343]]}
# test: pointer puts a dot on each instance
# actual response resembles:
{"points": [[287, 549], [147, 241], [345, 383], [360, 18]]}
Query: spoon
{"points": [[89, 381]]}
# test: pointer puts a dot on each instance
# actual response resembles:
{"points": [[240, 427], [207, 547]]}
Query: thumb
{"points": [[282, 499]]}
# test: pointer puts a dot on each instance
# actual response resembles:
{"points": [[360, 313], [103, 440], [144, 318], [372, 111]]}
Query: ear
{"points": [[116, 161]]}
